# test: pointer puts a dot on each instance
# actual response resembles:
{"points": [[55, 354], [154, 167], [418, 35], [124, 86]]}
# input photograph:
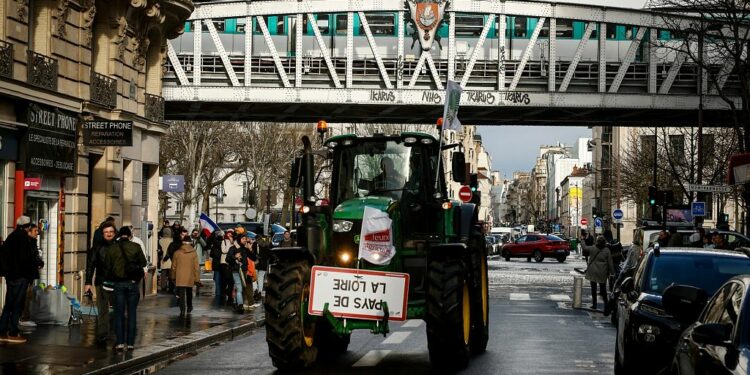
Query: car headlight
{"points": [[342, 226], [649, 332]]}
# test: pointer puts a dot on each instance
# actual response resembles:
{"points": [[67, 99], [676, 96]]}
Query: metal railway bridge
{"points": [[283, 61]]}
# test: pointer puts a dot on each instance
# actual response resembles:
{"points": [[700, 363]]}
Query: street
{"points": [[533, 330]]}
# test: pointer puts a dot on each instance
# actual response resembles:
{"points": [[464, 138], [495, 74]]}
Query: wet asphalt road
{"points": [[533, 330]]}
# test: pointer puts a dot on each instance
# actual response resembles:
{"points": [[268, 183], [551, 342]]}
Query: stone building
{"points": [[66, 65]]}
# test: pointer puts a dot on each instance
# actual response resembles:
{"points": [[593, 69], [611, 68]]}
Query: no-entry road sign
{"points": [[465, 194], [584, 221]]}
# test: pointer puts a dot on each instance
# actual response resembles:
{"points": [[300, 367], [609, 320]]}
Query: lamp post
{"points": [[219, 195]]}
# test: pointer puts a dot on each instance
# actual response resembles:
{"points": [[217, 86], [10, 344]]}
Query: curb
{"points": [[172, 348]]}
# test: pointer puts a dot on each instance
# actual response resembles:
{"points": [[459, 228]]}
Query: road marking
{"points": [[396, 338], [372, 358], [412, 323], [519, 297], [559, 297]]}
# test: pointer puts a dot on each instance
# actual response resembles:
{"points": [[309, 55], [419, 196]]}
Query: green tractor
{"points": [[437, 252]]}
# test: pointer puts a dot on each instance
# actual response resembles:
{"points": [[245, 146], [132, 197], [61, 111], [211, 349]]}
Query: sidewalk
{"points": [[161, 334]]}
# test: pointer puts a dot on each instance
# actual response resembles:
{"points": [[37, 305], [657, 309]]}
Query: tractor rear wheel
{"points": [[290, 333], [480, 305], [448, 313]]}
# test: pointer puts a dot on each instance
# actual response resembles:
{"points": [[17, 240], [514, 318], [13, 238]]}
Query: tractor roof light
{"points": [[410, 140], [447, 205], [304, 209], [322, 126], [348, 142], [439, 123]]}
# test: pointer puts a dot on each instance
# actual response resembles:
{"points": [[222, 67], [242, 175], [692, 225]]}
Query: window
{"points": [[342, 23], [708, 272], [612, 31], [380, 24], [520, 27], [323, 24], [677, 148], [595, 32], [469, 25], [233, 217], [241, 25], [220, 25], [145, 175], [708, 150], [178, 206], [219, 217], [564, 29], [544, 32], [647, 146]]}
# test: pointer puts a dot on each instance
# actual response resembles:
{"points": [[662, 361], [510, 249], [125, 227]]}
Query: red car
{"points": [[537, 246]]}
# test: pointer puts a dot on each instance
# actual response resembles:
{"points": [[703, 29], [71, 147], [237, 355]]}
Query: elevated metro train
{"points": [[384, 26]]}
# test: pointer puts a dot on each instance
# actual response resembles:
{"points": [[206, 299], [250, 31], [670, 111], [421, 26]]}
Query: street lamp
{"points": [[219, 194]]}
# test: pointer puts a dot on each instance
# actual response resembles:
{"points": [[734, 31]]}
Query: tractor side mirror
{"points": [[458, 165], [295, 177]]}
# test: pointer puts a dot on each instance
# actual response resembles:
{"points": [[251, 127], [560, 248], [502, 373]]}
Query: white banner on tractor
{"points": [[376, 238]]}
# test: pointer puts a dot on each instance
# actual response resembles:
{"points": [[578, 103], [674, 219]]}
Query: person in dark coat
{"points": [[95, 266], [600, 268], [19, 265], [125, 284]]}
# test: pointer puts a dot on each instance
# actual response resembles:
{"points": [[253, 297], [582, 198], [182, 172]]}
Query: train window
{"points": [[520, 27], [241, 25], [595, 32], [508, 22], [612, 31], [342, 23], [220, 25], [323, 24], [544, 32], [469, 25], [278, 21], [564, 28], [380, 24], [257, 24]]}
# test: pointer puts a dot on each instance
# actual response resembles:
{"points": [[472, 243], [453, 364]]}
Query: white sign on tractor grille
{"points": [[358, 294]]}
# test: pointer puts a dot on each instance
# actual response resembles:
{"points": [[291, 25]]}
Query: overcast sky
{"points": [[515, 148]]}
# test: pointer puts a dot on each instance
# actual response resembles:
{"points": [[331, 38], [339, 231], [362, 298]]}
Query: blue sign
{"points": [[173, 183], [617, 214], [598, 222], [699, 209]]}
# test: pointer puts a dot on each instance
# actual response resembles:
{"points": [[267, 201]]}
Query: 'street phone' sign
{"points": [[358, 294], [51, 144], [108, 133]]}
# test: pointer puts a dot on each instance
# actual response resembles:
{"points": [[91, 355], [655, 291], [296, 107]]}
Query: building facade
{"points": [[80, 118]]}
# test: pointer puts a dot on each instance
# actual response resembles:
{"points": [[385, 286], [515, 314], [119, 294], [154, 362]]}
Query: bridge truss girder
{"points": [[496, 103]]}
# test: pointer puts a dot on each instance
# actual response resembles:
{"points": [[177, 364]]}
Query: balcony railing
{"points": [[42, 71], [6, 59], [154, 108], [103, 90]]}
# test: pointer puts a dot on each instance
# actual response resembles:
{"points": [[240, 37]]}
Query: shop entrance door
{"points": [[43, 209]]}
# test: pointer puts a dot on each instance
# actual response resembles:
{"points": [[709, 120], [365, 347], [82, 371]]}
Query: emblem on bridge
{"points": [[426, 15]]}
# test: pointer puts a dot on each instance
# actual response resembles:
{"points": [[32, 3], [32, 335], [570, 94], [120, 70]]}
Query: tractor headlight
{"points": [[345, 257], [342, 226]]}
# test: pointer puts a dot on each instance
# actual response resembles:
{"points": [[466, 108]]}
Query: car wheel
{"points": [[528, 259], [538, 257], [561, 259], [622, 367], [507, 259]]}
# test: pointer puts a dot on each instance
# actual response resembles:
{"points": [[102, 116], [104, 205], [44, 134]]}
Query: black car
{"points": [[719, 342], [646, 333]]}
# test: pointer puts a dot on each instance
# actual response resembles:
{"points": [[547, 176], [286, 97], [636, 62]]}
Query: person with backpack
{"points": [[19, 265], [125, 262], [600, 268]]}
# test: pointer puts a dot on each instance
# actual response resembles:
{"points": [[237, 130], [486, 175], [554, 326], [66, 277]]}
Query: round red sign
{"points": [[584, 221], [464, 194]]}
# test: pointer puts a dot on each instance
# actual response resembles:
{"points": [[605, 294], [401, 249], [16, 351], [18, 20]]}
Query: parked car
{"points": [[646, 333], [719, 341], [537, 246]]}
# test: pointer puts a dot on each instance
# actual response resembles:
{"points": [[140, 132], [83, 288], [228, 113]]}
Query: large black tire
{"points": [[480, 305], [538, 257], [448, 314], [290, 337], [561, 258]]}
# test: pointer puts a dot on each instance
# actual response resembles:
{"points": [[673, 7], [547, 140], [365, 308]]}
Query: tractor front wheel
{"points": [[290, 333], [448, 313]]}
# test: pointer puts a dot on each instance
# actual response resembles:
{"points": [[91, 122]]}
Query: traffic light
{"points": [[722, 221], [652, 195], [473, 182]]}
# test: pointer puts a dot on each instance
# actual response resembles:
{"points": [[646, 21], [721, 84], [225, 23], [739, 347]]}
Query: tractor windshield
{"points": [[383, 168]]}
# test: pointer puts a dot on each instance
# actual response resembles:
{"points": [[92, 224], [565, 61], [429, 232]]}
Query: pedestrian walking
{"points": [[215, 241], [165, 266], [251, 276], [186, 273], [125, 261], [19, 265], [675, 239], [225, 269], [599, 269], [95, 267], [179, 235]]}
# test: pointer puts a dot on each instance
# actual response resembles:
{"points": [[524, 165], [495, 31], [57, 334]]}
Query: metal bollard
{"points": [[577, 291]]}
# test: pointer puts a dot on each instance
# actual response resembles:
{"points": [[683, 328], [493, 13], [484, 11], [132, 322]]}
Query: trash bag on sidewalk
{"points": [[49, 306]]}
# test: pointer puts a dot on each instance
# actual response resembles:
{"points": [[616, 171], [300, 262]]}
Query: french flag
{"points": [[207, 225]]}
